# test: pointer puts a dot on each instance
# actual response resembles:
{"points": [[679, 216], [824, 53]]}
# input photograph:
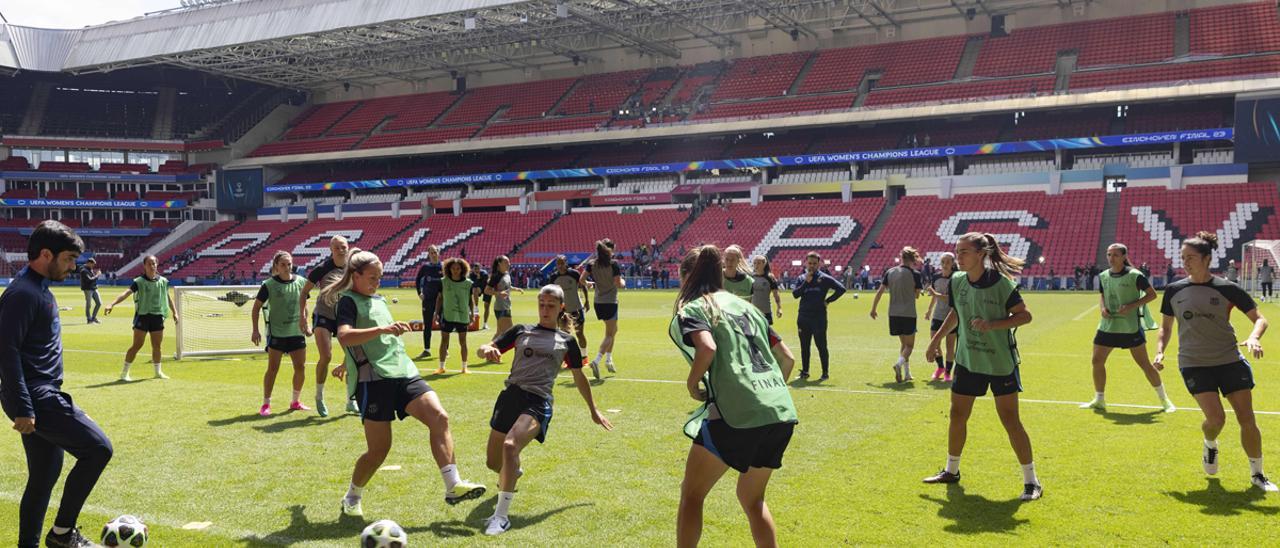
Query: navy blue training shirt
{"points": [[813, 294], [30, 342]]}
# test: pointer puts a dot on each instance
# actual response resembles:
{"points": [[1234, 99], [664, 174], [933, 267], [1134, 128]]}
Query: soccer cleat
{"points": [[161, 375], [824, 377], [496, 525], [937, 374], [1210, 460], [265, 411], [297, 406], [424, 355], [321, 408], [464, 370], [69, 539], [897, 372], [943, 477], [595, 369], [1261, 482], [485, 328], [1031, 491], [354, 509], [352, 407], [464, 490], [440, 371], [609, 365], [1096, 403], [124, 377], [907, 377], [1168, 406], [947, 378], [804, 374]]}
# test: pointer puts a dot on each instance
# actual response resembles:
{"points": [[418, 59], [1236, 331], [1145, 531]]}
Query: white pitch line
{"points": [[1086, 312]]}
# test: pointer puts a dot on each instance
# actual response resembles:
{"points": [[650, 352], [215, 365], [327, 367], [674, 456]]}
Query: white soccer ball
{"points": [[384, 534], [395, 300], [124, 531]]}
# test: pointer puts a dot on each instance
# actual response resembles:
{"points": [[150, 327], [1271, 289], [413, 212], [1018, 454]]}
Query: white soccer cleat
{"points": [[1260, 481], [496, 525], [609, 365], [1210, 460], [1168, 406], [1031, 491], [595, 369], [354, 509], [1096, 403], [897, 372]]}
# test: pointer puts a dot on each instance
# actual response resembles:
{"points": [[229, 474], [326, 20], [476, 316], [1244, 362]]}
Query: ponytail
{"points": [[357, 260], [701, 275], [986, 244], [1124, 250], [564, 321], [1203, 243]]}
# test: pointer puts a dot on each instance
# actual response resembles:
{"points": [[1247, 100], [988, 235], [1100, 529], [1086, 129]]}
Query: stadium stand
{"points": [[1151, 221], [1235, 29], [795, 105], [579, 231], [317, 119], [599, 93], [483, 236], [755, 77], [1118, 41], [96, 113]]}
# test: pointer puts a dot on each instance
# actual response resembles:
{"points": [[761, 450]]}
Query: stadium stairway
{"points": [[675, 234], [860, 256], [1107, 236], [804, 71], [516, 248], [248, 252], [968, 58], [1182, 34]]}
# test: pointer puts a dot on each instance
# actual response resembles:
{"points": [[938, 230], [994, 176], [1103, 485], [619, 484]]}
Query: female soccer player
{"points": [[736, 279], [382, 377], [903, 284], [747, 416], [152, 303], [324, 322], [455, 307], [1125, 294], [763, 284], [281, 293], [938, 310], [607, 277], [427, 284], [1208, 355], [570, 281], [811, 315], [499, 287], [523, 410], [987, 307]]}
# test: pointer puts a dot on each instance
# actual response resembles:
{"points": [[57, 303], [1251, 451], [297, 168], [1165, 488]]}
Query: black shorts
{"points": [[488, 298], [148, 322], [453, 327], [742, 448], [606, 311], [936, 325], [515, 401], [388, 398], [579, 318], [329, 324], [1120, 340], [968, 383], [286, 344], [1223, 378], [902, 325], [502, 314]]}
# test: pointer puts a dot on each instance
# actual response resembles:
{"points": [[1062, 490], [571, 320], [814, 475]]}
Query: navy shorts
{"points": [[388, 399], [1120, 340], [968, 383], [936, 326], [515, 401], [453, 327], [330, 324], [606, 311], [902, 325], [1224, 379], [743, 448], [148, 322], [286, 344], [502, 313]]}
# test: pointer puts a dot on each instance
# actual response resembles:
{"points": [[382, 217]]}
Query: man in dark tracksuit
{"points": [[811, 318], [30, 391], [428, 285]]}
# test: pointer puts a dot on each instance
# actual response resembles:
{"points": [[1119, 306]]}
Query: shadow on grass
{"points": [[973, 514], [895, 386], [938, 384], [1127, 419], [1213, 500], [475, 520], [309, 420], [247, 417], [118, 382]]}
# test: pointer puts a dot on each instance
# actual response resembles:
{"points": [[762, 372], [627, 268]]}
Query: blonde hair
{"points": [[942, 260], [275, 259], [734, 254], [357, 260], [909, 255]]}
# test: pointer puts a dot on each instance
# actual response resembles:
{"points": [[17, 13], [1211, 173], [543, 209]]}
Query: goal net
{"points": [[215, 320], [1252, 254]]}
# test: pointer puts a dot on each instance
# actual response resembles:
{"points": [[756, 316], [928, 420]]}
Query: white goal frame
{"points": [[1251, 255], [182, 329]]}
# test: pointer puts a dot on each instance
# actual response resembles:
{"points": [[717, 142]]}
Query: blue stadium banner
{"points": [[240, 189], [92, 204], [100, 177], [104, 232], [1137, 139], [1258, 121]]}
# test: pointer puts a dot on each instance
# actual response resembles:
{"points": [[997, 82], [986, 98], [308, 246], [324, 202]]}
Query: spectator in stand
{"points": [[1169, 274], [729, 223]]}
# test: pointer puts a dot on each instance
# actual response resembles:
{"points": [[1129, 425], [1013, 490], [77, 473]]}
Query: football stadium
{"points": [[322, 273]]}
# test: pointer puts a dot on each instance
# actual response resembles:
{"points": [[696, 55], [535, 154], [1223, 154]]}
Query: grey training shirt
{"points": [[1205, 336], [943, 306], [569, 282], [904, 285], [606, 290], [761, 287], [539, 353]]}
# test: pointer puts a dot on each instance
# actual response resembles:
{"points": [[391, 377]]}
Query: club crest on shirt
{"points": [[1215, 301]]}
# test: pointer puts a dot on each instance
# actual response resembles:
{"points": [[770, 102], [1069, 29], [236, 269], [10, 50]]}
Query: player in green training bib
{"points": [[736, 278], [152, 303], [747, 416], [1125, 292], [455, 307], [281, 294], [384, 380], [986, 308]]}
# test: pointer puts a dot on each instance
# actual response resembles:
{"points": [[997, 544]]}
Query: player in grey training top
{"points": [[903, 283], [763, 283], [570, 281], [938, 310], [523, 410], [325, 324], [606, 276], [1208, 355], [1266, 276]]}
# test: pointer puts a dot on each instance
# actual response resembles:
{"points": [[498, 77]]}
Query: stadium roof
{"points": [[310, 44]]}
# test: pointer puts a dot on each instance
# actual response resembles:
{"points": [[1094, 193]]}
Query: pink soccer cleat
{"points": [[297, 406], [266, 410]]}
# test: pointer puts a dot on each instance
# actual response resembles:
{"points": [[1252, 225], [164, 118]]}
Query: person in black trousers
{"points": [[428, 285], [89, 275], [32, 397], [811, 319]]}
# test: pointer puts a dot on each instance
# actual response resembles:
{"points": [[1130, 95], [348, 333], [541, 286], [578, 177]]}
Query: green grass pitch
{"points": [[193, 450]]}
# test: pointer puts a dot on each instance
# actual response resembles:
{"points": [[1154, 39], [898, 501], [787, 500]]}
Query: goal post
{"points": [[1252, 253], [214, 320]]}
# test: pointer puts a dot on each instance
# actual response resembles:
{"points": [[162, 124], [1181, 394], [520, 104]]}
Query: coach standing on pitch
{"points": [[30, 391]]}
